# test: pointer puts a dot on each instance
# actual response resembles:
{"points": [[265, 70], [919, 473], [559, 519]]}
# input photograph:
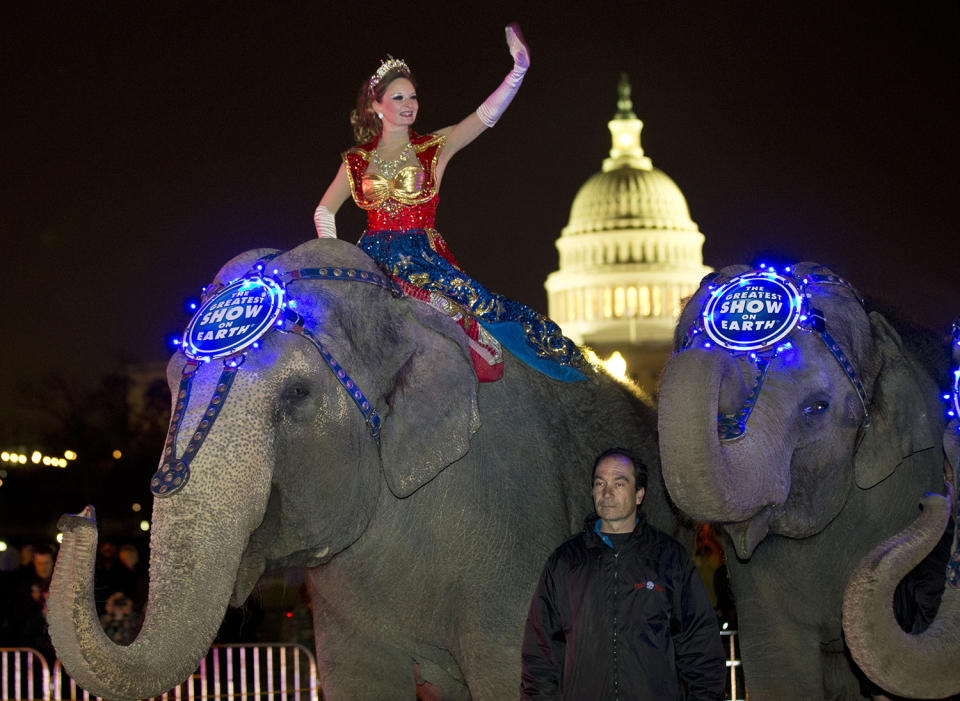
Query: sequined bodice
{"points": [[408, 200]]}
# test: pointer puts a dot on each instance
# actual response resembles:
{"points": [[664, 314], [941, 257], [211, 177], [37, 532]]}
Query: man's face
{"points": [[128, 557], [615, 494], [43, 564]]}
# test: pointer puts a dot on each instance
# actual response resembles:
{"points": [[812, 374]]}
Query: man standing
{"points": [[620, 611]]}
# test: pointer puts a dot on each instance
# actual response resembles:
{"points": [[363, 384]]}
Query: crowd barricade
{"points": [[736, 689], [24, 674], [255, 671]]}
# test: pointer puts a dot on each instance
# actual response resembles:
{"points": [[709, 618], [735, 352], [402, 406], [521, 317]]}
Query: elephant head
{"points": [[809, 448], [921, 665], [253, 497], [812, 436]]}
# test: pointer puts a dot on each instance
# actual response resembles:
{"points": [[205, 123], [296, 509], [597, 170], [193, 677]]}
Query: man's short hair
{"points": [[639, 468]]}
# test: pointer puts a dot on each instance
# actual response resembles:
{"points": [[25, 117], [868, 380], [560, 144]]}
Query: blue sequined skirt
{"points": [[415, 256]]}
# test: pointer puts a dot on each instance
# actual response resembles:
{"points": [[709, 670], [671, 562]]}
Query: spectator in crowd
{"points": [[132, 579], [119, 620]]}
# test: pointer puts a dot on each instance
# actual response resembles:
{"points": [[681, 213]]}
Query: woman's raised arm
{"points": [[336, 195], [493, 107]]}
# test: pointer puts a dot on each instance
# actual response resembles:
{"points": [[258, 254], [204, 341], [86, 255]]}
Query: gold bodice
{"points": [[404, 187]]}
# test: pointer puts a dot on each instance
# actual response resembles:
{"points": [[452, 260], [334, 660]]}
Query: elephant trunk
{"points": [[708, 479], [914, 666], [177, 630]]}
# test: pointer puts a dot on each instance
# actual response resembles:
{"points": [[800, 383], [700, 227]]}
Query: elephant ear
{"points": [[899, 425], [433, 405]]}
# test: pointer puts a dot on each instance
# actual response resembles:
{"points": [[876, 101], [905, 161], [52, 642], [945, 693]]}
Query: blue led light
{"points": [[956, 393]]}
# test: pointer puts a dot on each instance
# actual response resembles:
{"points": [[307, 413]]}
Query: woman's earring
{"points": [[380, 114]]}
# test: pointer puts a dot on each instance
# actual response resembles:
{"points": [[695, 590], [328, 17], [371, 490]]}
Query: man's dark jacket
{"points": [[621, 625]]}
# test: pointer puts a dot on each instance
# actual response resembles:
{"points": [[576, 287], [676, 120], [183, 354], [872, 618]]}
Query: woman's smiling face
{"points": [[399, 104]]}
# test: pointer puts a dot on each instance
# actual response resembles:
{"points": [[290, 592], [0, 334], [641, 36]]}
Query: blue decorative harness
{"points": [[174, 471], [809, 319], [953, 566]]}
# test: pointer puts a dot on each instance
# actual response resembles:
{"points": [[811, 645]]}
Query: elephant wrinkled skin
{"points": [[425, 557], [801, 503]]}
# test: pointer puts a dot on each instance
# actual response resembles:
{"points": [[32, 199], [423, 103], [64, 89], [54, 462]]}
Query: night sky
{"points": [[142, 148]]}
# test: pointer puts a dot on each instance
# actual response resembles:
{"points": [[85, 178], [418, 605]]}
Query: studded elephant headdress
{"points": [[752, 315], [230, 322]]}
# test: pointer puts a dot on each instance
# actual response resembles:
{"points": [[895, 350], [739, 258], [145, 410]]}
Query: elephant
{"points": [[918, 666], [839, 436], [423, 544]]}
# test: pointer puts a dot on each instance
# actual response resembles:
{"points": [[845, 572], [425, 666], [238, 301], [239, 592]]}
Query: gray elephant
{"points": [[914, 666], [810, 453], [424, 538]]}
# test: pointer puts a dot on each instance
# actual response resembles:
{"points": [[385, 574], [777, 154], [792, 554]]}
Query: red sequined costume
{"points": [[400, 237]]}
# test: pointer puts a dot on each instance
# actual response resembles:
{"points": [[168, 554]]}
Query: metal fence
{"points": [[736, 689], [281, 672]]}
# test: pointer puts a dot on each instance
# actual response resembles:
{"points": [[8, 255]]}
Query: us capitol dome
{"points": [[629, 255]]}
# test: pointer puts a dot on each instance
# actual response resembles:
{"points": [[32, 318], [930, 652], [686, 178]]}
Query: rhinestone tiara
{"points": [[385, 67]]}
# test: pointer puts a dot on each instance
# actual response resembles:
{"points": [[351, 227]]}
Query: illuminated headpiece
{"points": [[390, 64]]}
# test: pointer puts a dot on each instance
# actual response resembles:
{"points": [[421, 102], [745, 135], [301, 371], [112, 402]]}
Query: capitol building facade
{"points": [[628, 257]]}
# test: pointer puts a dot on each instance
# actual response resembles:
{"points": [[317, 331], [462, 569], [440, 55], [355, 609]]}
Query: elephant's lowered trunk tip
{"points": [[87, 518]]}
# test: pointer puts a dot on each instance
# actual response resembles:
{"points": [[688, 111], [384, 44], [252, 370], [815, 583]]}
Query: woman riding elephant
{"points": [[395, 174], [352, 439]]}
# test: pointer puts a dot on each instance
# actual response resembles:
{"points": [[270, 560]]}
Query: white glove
{"points": [[324, 221], [495, 105]]}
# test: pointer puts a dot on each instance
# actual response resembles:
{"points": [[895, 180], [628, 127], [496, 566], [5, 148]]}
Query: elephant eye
{"points": [[816, 408], [297, 392]]}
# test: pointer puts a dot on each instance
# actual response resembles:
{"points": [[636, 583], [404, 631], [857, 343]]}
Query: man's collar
{"points": [[604, 537]]}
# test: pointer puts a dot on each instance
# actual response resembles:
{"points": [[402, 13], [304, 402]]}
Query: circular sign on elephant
{"points": [[956, 392], [234, 318], [752, 311]]}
